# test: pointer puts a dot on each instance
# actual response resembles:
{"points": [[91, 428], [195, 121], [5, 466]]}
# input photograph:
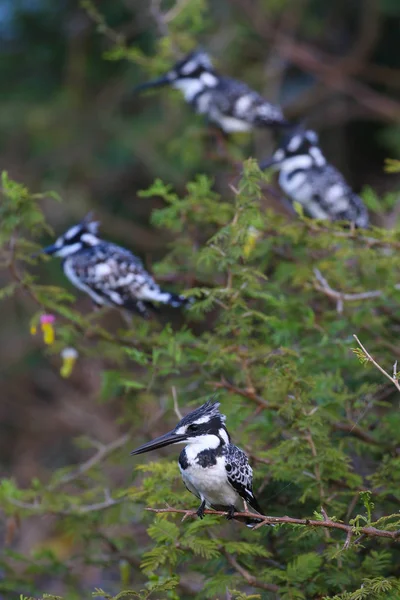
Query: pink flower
{"points": [[46, 324], [47, 319]]}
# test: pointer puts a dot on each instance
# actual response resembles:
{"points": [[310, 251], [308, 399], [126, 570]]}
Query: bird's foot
{"points": [[230, 513], [200, 510]]}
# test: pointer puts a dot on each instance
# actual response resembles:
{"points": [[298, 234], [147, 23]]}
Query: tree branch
{"points": [[393, 379], [251, 580], [251, 395], [264, 520], [323, 286], [357, 432], [103, 451], [333, 72], [76, 511]]}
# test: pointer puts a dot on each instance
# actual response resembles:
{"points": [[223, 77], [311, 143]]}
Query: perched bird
{"points": [[111, 275], [212, 468], [228, 103], [306, 177]]}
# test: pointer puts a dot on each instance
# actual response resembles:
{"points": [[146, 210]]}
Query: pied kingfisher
{"points": [[111, 275], [306, 177], [212, 468], [228, 103]]}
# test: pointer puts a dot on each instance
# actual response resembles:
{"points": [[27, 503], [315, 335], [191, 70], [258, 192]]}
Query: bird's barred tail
{"points": [[255, 507], [249, 521], [155, 294], [176, 300], [252, 522]]}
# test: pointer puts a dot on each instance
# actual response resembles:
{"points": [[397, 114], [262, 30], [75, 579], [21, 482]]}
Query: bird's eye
{"points": [[193, 427]]}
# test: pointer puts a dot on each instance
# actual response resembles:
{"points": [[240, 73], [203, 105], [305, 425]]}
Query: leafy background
{"points": [[320, 428]]}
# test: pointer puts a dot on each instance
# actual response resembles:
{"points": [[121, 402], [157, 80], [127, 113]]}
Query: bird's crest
{"points": [[207, 411], [89, 223], [194, 63]]}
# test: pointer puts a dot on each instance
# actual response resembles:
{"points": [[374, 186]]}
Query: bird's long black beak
{"points": [[48, 250], [164, 440], [154, 83], [268, 163]]}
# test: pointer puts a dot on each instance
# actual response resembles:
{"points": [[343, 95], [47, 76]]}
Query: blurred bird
{"points": [[111, 275], [228, 103], [212, 468], [306, 177]]}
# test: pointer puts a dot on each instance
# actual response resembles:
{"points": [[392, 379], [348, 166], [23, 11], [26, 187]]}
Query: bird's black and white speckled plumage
{"points": [[212, 468], [110, 274], [228, 103], [306, 177]]}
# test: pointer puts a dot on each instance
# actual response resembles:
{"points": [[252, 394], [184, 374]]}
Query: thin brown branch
{"points": [[76, 511], [176, 404], [173, 12], [368, 531], [394, 379], [355, 235], [250, 394], [323, 286], [347, 543], [159, 17], [103, 451], [12, 267], [334, 72], [368, 34], [356, 431], [251, 580], [317, 471]]}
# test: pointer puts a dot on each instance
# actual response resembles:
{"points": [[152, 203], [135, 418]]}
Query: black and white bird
{"points": [[228, 103], [212, 468], [111, 275], [306, 177]]}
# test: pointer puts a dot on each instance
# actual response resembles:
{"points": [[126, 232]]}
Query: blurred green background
{"points": [[69, 122]]}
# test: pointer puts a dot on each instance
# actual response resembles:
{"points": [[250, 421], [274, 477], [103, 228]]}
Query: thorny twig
{"points": [[76, 511], [103, 451], [393, 379], [355, 430], [264, 520], [176, 405], [340, 297], [173, 12], [318, 477], [162, 19], [332, 72], [251, 395], [369, 241], [251, 580]]}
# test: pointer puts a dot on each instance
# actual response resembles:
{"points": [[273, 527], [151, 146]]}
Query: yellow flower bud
{"points": [[47, 327], [252, 236], [69, 357]]}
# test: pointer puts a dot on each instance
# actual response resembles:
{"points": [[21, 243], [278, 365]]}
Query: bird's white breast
{"points": [[211, 483], [228, 124], [300, 189], [189, 87]]}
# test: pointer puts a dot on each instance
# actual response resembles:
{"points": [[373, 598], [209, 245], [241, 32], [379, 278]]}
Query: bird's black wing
{"points": [[112, 275], [237, 99], [345, 205], [240, 475], [228, 92]]}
